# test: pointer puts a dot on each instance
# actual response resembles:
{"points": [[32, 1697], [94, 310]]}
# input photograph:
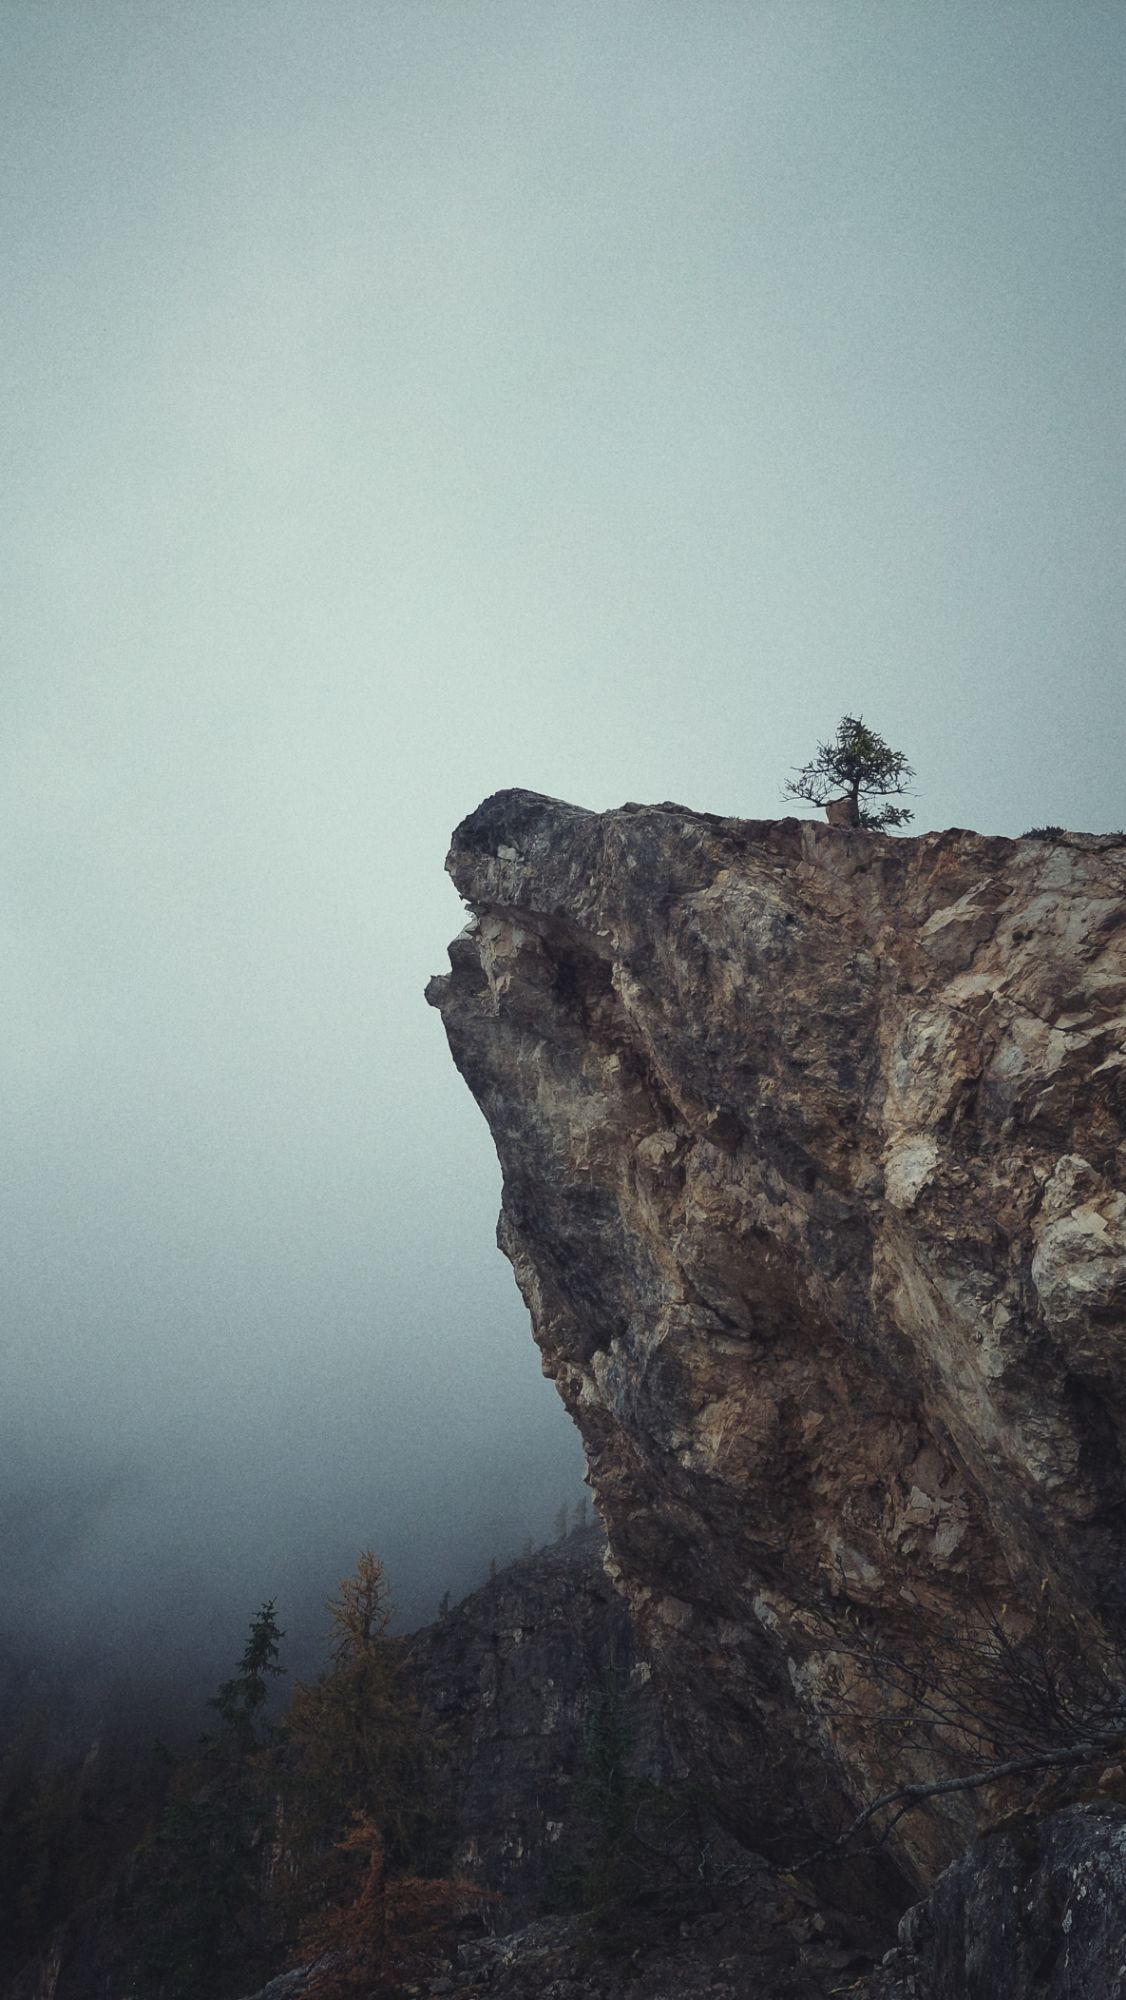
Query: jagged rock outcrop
{"points": [[812, 1144], [1036, 1913], [513, 1677], [766, 1944]]}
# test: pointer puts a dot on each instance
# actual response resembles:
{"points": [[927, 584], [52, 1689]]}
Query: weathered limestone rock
{"points": [[812, 1144]]}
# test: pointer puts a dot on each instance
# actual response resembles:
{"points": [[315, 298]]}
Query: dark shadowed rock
{"points": [[513, 1676], [1033, 1914]]}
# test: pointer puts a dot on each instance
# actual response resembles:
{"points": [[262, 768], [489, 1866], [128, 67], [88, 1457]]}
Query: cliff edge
{"points": [[812, 1145]]}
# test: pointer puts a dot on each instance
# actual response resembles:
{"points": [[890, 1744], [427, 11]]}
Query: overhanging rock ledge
{"points": [[812, 1144]]}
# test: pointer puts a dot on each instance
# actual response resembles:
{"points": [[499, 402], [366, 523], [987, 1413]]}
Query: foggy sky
{"points": [[405, 401]]}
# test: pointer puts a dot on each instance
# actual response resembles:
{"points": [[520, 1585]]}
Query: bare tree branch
{"points": [[909, 1796]]}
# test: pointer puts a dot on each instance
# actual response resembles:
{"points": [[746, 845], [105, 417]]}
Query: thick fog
{"points": [[405, 401]]}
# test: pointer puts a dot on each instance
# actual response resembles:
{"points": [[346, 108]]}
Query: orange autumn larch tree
{"points": [[356, 1744], [391, 1929]]}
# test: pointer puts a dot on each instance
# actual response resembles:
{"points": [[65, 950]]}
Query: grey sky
{"points": [[407, 400]]}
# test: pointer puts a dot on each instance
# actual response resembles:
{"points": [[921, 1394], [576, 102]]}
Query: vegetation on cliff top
{"points": [[856, 766]]}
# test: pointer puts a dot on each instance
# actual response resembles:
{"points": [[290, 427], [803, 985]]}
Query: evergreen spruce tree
{"points": [[202, 1907], [38, 1808], [642, 1851], [858, 766]]}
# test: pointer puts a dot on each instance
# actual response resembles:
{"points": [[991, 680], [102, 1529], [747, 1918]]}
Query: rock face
{"points": [[1039, 1914], [812, 1144], [513, 1677]]}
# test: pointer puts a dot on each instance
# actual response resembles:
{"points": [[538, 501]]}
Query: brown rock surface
{"points": [[812, 1144]]}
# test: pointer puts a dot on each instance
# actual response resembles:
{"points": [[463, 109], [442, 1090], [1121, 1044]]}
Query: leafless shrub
{"points": [[1005, 1697]]}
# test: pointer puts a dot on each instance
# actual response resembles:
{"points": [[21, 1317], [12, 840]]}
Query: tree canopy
{"points": [[203, 1925], [855, 767]]}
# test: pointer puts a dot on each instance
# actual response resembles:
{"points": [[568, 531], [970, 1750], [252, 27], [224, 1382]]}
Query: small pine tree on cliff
{"points": [[855, 767], [202, 1920]]}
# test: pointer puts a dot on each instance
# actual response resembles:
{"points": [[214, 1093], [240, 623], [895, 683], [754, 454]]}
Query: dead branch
{"points": [[907, 1797]]}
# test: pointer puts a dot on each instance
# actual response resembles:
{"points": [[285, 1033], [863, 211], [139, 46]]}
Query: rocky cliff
{"points": [[812, 1144], [513, 1677]]}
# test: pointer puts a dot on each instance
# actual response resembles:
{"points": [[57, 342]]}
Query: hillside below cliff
{"points": [[812, 1146], [513, 1677]]}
